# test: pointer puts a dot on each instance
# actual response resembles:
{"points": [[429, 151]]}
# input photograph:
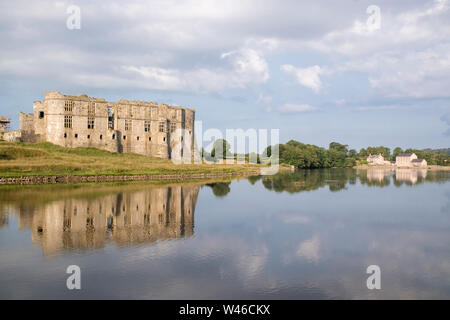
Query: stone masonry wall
{"points": [[125, 126]]}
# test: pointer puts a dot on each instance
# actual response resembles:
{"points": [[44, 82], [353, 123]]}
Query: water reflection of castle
{"points": [[124, 218]]}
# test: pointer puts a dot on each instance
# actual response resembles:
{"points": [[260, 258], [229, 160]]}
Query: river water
{"points": [[302, 235]]}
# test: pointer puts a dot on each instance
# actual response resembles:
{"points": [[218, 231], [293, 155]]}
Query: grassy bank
{"points": [[46, 159]]}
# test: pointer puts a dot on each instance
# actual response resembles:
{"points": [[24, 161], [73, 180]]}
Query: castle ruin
{"points": [[126, 126]]}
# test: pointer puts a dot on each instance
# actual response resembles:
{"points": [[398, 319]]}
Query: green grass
{"points": [[46, 159]]}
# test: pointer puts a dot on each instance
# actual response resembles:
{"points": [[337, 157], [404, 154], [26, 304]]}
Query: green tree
{"points": [[220, 149], [396, 152]]}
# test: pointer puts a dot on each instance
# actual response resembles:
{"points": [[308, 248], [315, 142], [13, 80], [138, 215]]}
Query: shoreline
{"points": [[430, 167], [36, 180]]}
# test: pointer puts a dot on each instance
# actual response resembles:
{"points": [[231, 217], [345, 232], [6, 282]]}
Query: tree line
{"points": [[310, 156]]}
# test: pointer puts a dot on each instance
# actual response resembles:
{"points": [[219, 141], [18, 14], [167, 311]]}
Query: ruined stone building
{"points": [[146, 128], [124, 218], [4, 125]]}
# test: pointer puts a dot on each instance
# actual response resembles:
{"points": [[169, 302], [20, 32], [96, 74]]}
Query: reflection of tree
{"points": [[306, 180], [337, 179], [220, 189], [253, 179]]}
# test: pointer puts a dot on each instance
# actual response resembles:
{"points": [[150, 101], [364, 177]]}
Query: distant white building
{"points": [[419, 163], [377, 159], [409, 160]]}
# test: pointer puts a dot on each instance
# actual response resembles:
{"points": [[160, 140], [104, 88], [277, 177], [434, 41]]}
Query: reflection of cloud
{"points": [[309, 249], [295, 219]]}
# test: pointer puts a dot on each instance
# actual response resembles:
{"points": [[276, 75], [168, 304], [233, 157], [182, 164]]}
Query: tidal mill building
{"points": [[146, 128]]}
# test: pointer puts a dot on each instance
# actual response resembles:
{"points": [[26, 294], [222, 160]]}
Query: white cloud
{"points": [[307, 77], [407, 57], [249, 66], [264, 99], [240, 69], [294, 108]]}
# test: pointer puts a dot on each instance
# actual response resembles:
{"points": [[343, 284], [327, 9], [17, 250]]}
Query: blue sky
{"points": [[319, 71]]}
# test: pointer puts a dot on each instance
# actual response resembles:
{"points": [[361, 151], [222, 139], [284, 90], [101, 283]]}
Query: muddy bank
{"points": [[81, 179]]}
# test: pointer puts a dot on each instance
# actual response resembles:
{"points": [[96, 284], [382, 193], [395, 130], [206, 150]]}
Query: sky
{"points": [[362, 73]]}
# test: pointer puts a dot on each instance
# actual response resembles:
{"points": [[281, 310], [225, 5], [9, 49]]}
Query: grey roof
{"points": [[404, 155], [417, 160]]}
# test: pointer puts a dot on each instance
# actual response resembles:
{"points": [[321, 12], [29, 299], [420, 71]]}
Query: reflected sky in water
{"points": [[302, 235]]}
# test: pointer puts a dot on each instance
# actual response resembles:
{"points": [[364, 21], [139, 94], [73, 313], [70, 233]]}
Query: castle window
{"points": [[164, 139], [65, 135], [113, 136], [67, 121], [128, 125], [147, 126], [173, 127], [137, 138], [76, 135], [91, 121], [89, 136], [68, 106], [101, 137], [149, 138], [91, 108], [41, 114], [161, 127], [124, 137], [110, 118]]}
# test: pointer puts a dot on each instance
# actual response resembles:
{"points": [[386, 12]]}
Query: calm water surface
{"points": [[302, 235]]}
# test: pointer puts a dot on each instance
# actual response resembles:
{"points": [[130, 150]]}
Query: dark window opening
{"points": [[89, 136], [76, 135], [65, 135], [67, 121], [124, 137], [91, 122], [41, 115], [110, 118], [149, 138], [101, 137], [113, 136], [164, 139], [137, 138], [147, 126]]}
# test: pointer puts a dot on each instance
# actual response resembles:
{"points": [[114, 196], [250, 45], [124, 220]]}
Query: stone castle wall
{"points": [[125, 126]]}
